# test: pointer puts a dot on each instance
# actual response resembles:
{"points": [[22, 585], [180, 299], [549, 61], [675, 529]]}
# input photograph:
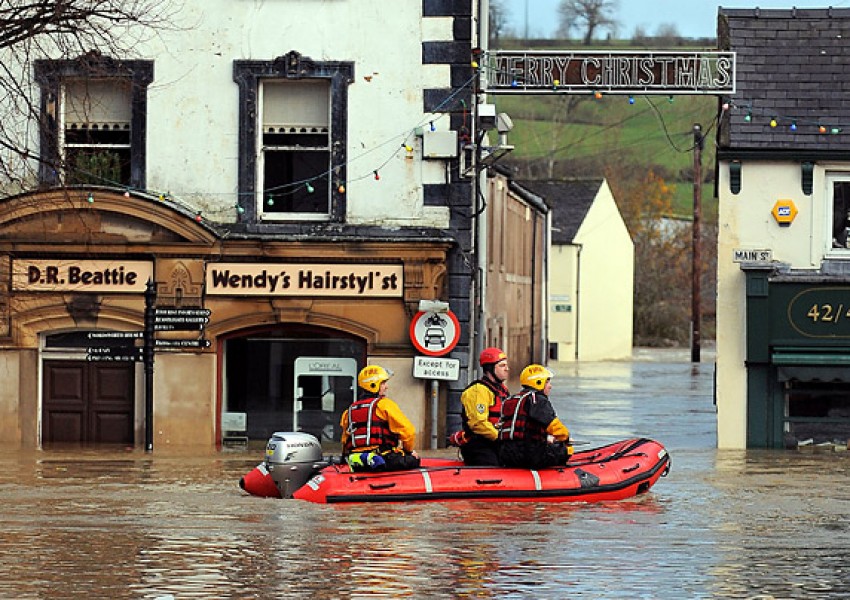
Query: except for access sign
{"points": [[433, 333], [427, 367]]}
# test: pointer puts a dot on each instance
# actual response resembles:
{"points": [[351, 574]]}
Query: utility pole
{"points": [[695, 255]]}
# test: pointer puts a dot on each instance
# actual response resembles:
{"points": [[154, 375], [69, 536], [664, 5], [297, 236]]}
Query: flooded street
{"points": [[722, 524]]}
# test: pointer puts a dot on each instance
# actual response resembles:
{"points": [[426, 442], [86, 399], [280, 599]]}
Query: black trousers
{"points": [[533, 455], [480, 453], [399, 461]]}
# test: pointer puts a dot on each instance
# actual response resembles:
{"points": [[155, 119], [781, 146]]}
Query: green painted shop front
{"points": [[797, 357]]}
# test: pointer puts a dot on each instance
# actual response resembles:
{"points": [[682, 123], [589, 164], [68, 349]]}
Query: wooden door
{"points": [[87, 402]]}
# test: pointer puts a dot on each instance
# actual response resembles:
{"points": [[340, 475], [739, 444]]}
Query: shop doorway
{"points": [[297, 380], [87, 403]]}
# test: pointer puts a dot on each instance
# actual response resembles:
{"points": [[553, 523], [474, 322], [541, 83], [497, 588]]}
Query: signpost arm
{"points": [[150, 301]]}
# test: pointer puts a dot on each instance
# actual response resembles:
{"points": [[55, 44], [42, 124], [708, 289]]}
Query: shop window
{"points": [[94, 112], [292, 138], [839, 207], [818, 411]]}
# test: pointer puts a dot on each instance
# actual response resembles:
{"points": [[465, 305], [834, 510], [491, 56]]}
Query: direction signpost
{"points": [[181, 319]]}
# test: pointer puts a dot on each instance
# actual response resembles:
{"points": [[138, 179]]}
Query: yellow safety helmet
{"points": [[370, 377], [535, 376]]}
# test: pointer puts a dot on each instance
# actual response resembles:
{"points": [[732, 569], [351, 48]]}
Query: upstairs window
{"points": [[95, 132], [94, 111], [839, 190], [295, 150], [293, 115]]}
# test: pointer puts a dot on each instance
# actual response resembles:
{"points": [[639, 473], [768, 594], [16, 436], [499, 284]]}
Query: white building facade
{"points": [[289, 178], [783, 342]]}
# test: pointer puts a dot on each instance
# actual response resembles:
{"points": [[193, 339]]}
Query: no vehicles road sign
{"points": [[434, 333]]}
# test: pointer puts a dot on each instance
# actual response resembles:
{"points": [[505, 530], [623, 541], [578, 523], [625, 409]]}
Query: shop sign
{"points": [[85, 276], [820, 312], [331, 280]]}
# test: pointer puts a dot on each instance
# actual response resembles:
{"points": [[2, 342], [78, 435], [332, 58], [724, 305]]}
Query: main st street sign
{"points": [[611, 72]]}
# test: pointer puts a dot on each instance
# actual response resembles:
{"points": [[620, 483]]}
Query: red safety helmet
{"points": [[490, 356]]}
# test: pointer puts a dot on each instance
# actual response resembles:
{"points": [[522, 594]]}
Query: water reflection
{"points": [[723, 524]]}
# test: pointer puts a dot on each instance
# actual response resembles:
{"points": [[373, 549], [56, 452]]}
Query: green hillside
{"points": [[581, 135]]}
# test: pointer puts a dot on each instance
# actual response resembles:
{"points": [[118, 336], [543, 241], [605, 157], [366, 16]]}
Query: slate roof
{"points": [[569, 200], [792, 65]]}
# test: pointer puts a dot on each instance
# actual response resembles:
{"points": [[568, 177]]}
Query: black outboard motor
{"points": [[292, 458]]}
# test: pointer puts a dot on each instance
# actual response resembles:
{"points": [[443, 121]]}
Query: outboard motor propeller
{"points": [[292, 458]]}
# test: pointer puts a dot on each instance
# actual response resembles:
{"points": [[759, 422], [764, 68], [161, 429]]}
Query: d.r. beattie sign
{"points": [[624, 72]]}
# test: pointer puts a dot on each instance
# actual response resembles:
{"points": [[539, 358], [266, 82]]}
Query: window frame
{"points": [[51, 75], [248, 75], [831, 177]]}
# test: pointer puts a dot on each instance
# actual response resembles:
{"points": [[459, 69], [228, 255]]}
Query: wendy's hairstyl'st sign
{"points": [[615, 72], [340, 280]]}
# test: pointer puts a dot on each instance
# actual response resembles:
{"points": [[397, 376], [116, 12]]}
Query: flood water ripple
{"points": [[723, 524]]}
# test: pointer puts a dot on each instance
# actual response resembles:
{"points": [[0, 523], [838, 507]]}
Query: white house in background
{"points": [[591, 271]]}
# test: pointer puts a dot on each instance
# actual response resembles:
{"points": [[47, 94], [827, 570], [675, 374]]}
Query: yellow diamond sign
{"points": [[784, 211]]}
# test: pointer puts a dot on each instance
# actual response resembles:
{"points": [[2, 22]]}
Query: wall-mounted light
{"points": [[735, 176], [806, 176]]}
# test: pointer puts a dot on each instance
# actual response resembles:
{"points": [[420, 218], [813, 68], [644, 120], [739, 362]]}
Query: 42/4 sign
{"points": [[821, 312]]}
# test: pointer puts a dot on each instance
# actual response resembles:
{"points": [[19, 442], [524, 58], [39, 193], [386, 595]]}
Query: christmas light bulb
{"points": [[773, 122], [377, 177], [90, 199], [341, 189], [310, 188], [270, 201], [821, 129], [631, 99], [597, 95], [793, 126]]}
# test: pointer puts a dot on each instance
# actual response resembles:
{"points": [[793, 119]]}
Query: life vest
{"points": [[366, 430], [500, 393], [515, 422]]}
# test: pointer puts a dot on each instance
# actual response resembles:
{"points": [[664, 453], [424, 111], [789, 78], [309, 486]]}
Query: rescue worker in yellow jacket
{"points": [[532, 436], [376, 435], [482, 409]]}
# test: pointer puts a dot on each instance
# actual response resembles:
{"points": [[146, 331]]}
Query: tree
{"points": [[662, 258], [58, 29], [587, 16], [497, 21]]}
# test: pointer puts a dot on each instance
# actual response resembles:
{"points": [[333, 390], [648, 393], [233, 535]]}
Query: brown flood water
{"points": [[126, 524]]}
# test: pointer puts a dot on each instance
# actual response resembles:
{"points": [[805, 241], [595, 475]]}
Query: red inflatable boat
{"points": [[620, 470]]}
